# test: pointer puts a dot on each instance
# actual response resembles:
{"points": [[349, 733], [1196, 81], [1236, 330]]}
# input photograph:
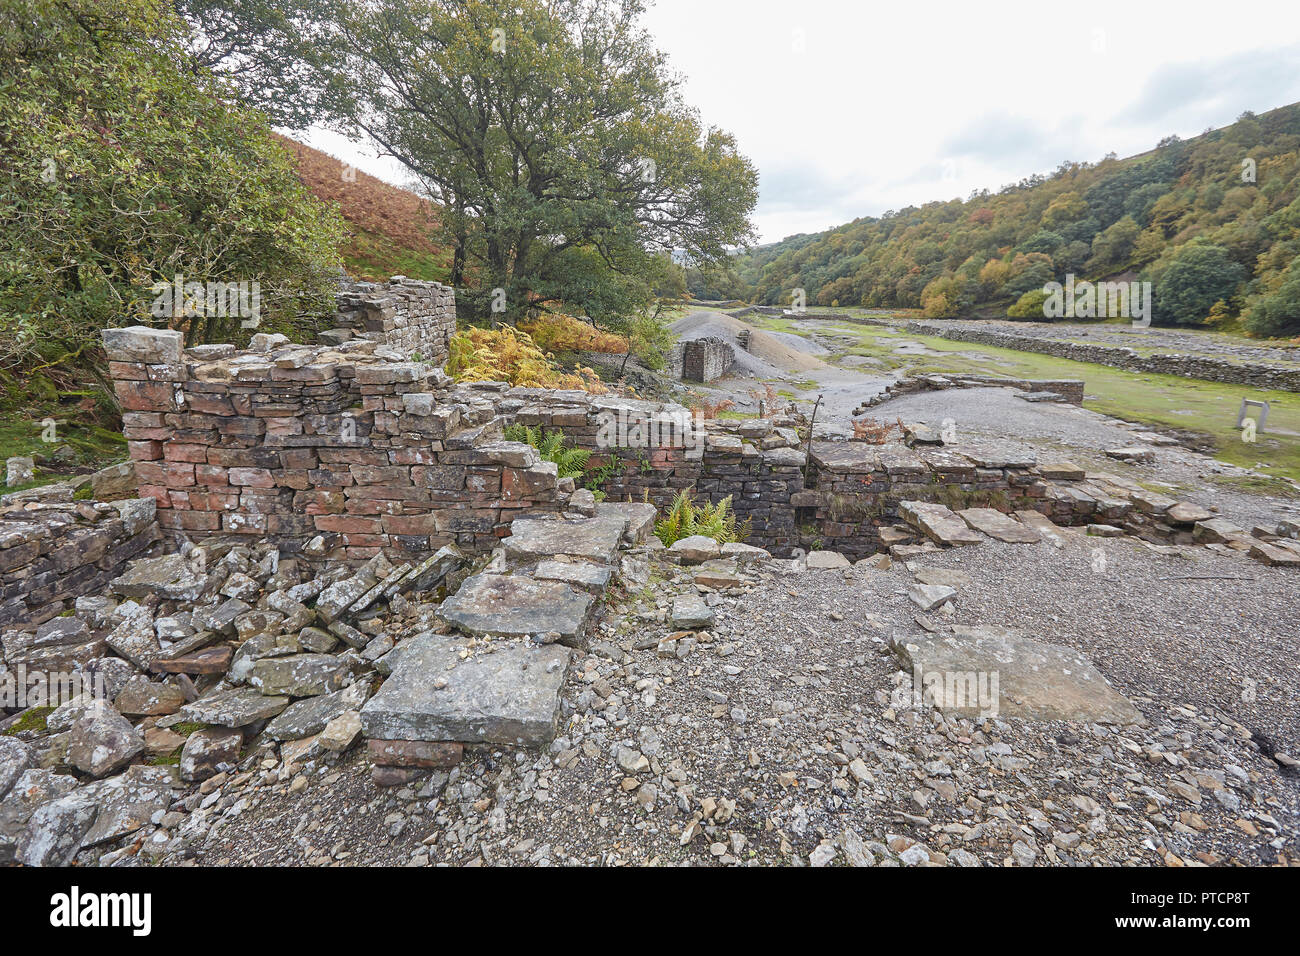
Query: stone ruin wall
{"points": [[416, 318], [331, 452], [706, 359], [1252, 374], [851, 493]]}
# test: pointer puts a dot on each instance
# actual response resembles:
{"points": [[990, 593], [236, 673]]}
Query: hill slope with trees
{"points": [[1213, 222]]}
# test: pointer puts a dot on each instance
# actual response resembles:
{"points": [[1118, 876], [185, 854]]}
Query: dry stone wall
{"points": [[327, 451], [1253, 374], [416, 318]]}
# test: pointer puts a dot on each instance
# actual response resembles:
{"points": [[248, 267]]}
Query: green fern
{"points": [[684, 518], [552, 446]]}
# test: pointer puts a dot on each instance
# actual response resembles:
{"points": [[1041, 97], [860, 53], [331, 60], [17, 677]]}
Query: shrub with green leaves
{"points": [[685, 518], [553, 446], [124, 166]]}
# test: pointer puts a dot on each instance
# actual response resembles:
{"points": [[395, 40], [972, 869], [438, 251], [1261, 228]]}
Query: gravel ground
{"points": [[772, 739]]}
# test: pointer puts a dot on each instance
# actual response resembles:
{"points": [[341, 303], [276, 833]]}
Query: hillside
{"points": [[1186, 212], [391, 228]]}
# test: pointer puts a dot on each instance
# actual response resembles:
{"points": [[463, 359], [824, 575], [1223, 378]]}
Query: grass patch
{"points": [[32, 719]]}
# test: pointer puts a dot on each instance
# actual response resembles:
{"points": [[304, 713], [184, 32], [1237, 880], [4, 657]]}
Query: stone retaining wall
{"points": [[54, 549]]}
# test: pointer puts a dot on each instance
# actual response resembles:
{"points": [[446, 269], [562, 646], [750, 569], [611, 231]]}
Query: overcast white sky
{"points": [[852, 108]]}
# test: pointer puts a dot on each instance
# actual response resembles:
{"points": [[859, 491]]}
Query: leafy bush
{"points": [[505, 354], [1029, 306], [685, 518], [553, 446], [126, 168]]}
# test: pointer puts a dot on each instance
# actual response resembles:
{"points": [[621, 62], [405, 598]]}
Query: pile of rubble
{"points": [[187, 663], [204, 665]]}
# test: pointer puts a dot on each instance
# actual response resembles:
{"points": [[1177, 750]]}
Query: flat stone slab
{"points": [[1187, 513], [580, 574], [937, 523], [995, 524], [510, 695], [826, 560], [639, 517], [1062, 471], [946, 576], [1139, 453], [930, 596], [517, 605], [986, 670], [236, 707], [1216, 530], [1273, 555], [1045, 526], [596, 539]]}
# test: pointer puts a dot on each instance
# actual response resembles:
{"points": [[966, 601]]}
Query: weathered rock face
{"points": [[34, 788], [984, 671], [15, 759], [507, 696]]}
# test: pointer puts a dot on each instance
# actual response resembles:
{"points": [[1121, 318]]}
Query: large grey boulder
{"points": [[985, 671]]}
